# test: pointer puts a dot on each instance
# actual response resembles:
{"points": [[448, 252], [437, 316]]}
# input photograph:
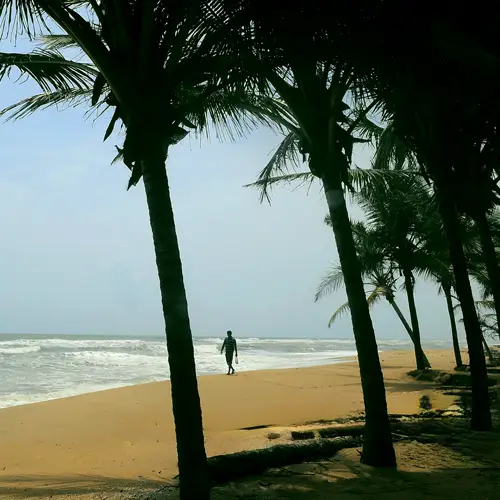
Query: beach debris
{"points": [[273, 435], [234, 465], [338, 431], [302, 435]]}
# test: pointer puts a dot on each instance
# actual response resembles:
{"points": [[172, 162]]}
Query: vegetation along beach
{"points": [[362, 349]]}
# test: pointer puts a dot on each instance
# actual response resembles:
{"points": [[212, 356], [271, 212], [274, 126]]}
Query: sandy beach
{"points": [[127, 434]]}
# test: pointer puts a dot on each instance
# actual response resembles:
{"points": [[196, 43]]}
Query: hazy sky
{"points": [[76, 252]]}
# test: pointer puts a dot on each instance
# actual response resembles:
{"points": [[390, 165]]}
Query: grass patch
{"points": [[459, 379]]}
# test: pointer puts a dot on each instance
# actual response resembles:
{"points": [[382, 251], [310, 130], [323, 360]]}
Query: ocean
{"points": [[36, 368]]}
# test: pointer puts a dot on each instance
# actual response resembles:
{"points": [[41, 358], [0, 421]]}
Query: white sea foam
{"points": [[34, 369], [19, 350]]}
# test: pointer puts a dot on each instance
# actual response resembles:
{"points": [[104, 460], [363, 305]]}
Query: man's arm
{"points": [[236, 348], [223, 346]]}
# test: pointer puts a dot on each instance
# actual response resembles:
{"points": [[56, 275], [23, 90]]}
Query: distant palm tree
{"points": [[426, 122], [446, 287], [486, 305], [394, 154], [399, 216], [487, 321], [379, 276], [437, 245], [484, 265]]}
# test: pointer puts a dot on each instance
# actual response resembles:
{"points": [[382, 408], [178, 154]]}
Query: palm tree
{"points": [[379, 273], [441, 272], [410, 235], [381, 284], [437, 245], [161, 73], [313, 82], [445, 286], [487, 321], [487, 273], [440, 124], [486, 305], [400, 215], [393, 154]]}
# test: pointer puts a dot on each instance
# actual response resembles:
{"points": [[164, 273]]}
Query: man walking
{"points": [[231, 349]]}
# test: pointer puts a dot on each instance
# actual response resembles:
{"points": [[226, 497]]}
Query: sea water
{"points": [[37, 368]]}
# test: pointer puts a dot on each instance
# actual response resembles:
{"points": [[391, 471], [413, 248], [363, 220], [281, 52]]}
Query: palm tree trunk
{"points": [[490, 259], [378, 449], [419, 353], [409, 330], [192, 461], [487, 350], [453, 324], [481, 415]]}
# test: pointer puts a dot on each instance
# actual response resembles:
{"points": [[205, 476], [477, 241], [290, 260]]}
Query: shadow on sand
{"points": [[98, 487], [470, 467]]}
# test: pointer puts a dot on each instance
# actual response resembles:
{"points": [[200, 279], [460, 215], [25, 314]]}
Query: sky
{"points": [[76, 253]]}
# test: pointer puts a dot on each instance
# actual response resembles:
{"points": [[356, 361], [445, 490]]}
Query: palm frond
{"points": [[233, 113], [376, 294], [361, 124], [58, 42], [373, 297], [302, 177], [330, 283], [377, 180], [344, 308], [392, 152], [49, 69], [286, 157], [485, 304], [61, 98], [368, 129], [20, 17]]}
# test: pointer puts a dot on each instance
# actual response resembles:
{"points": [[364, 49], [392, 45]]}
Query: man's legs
{"points": [[229, 360]]}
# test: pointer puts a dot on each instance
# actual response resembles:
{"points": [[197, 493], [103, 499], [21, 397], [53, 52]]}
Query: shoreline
{"points": [[128, 433], [347, 359], [68, 366]]}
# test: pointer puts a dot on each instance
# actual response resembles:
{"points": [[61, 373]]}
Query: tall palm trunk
{"points": [[481, 415], [453, 324], [419, 353], [408, 329], [193, 471], [377, 444], [490, 259]]}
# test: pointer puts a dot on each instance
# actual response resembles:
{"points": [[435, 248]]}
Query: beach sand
{"points": [[126, 435]]}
